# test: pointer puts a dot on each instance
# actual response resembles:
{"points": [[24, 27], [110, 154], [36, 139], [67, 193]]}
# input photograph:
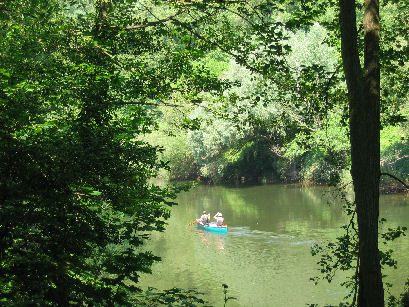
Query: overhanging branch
{"points": [[154, 23], [397, 179], [239, 59]]}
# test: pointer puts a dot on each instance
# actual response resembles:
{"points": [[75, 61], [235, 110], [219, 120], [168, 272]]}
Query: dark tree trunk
{"points": [[364, 110]]}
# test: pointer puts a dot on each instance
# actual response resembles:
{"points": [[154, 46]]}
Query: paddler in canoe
{"points": [[204, 222], [205, 218], [219, 219]]}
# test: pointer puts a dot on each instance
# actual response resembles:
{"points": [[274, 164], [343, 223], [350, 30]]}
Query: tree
{"points": [[364, 109]]}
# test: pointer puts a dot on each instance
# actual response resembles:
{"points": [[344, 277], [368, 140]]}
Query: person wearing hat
{"points": [[219, 219], [205, 218]]}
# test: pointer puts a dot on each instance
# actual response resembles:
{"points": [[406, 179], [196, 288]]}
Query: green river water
{"points": [[265, 257]]}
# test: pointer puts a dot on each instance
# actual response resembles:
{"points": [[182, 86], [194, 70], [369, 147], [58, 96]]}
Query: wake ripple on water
{"points": [[303, 242], [270, 237]]}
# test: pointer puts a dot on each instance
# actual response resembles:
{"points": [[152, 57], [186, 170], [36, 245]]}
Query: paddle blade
{"points": [[191, 223]]}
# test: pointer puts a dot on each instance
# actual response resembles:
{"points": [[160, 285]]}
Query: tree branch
{"points": [[356, 282], [396, 178], [239, 15], [165, 104], [239, 59], [154, 23], [329, 83]]}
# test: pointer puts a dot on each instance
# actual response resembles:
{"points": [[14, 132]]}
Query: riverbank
{"points": [[387, 185]]}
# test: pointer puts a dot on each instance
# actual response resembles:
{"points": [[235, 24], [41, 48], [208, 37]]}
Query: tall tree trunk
{"points": [[364, 110]]}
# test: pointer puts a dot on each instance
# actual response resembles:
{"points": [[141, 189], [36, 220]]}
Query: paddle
{"points": [[191, 223]]}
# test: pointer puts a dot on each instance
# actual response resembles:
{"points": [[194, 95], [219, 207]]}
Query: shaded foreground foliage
{"points": [[75, 199]]}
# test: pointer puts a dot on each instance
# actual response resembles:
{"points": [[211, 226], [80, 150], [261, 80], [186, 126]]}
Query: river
{"points": [[265, 257]]}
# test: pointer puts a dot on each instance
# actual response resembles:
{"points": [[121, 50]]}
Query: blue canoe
{"points": [[213, 227]]}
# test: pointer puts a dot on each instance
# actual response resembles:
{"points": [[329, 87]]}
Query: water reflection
{"points": [[210, 240]]}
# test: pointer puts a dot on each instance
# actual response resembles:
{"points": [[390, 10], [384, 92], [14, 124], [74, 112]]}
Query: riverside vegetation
{"points": [[259, 137], [98, 97]]}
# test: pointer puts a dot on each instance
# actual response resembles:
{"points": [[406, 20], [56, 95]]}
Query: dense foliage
{"points": [[76, 93]]}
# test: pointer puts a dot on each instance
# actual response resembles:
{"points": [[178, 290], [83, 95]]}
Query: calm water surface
{"points": [[265, 257]]}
